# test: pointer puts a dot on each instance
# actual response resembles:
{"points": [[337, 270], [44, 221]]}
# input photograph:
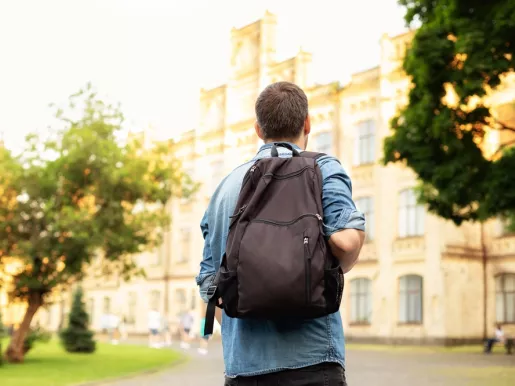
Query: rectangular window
{"points": [[155, 300], [411, 215], [505, 298], [194, 296], [157, 255], [184, 252], [324, 143], [410, 299], [180, 301], [366, 206], [364, 145], [361, 301], [91, 310], [131, 308], [217, 174], [107, 305]]}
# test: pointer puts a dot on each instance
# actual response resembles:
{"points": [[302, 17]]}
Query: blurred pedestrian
{"points": [[204, 339], [186, 324], [154, 324]]}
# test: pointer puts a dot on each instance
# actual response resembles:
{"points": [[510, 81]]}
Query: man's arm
{"points": [[346, 245], [344, 225], [207, 268]]}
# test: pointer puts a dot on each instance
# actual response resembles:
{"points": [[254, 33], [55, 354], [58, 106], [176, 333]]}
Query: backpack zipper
{"points": [[239, 212], [284, 223], [286, 176], [307, 263], [248, 174]]}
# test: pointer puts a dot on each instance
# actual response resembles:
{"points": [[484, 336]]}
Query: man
{"points": [[499, 338], [302, 352]]}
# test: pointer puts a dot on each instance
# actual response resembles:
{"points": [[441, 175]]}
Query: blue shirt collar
{"points": [[267, 146]]}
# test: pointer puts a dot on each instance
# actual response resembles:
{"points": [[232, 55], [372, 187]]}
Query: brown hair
{"points": [[281, 110]]}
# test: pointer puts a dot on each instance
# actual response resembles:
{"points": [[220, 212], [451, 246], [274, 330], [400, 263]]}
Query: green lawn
{"points": [[49, 365]]}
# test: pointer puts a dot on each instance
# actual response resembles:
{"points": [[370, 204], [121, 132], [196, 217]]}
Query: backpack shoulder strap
{"points": [[311, 154]]}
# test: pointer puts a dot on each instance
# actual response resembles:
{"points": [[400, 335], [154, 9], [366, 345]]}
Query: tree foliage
{"points": [[76, 337], [82, 194], [465, 49]]}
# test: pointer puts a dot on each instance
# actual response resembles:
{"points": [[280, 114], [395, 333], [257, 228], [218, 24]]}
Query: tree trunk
{"points": [[484, 261], [15, 352]]}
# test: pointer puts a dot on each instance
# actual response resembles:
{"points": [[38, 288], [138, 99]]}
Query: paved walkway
{"points": [[365, 368]]}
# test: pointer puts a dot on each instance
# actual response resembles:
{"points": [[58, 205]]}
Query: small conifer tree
{"points": [[76, 337]]}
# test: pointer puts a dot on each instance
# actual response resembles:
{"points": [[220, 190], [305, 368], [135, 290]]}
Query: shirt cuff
{"points": [[201, 277], [205, 283], [349, 219]]}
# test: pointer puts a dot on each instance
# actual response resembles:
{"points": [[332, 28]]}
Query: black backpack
{"points": [[277, 262]]}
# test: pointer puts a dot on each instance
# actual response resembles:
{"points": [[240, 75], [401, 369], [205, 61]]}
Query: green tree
{"points": [[462, 49], [80, 195], [2, 335], [76, 337], [3, 330]]}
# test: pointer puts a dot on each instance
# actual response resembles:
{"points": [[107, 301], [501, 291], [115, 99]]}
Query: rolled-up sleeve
{"points": [[207, 269], [339, 209]]}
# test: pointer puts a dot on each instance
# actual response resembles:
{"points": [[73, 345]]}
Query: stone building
{"points": [[419, 277]]}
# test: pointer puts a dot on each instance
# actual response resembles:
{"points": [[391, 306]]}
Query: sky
{"points": [[153, 56]]}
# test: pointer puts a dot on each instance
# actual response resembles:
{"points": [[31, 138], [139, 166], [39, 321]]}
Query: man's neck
{"points": [[298, 142]]}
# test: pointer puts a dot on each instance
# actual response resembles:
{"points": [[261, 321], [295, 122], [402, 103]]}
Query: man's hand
{"points": [[218, 315], [218, 312], [345, 246]]}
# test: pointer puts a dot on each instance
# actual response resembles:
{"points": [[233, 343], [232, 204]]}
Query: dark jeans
{"points": [[325, 374], [489, 344]]}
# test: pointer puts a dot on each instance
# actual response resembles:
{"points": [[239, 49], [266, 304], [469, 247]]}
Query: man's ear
{"points": [[307, 126], [259, 132]]}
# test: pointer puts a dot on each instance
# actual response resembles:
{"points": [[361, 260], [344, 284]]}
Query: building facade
{"points": [[419, 278]]}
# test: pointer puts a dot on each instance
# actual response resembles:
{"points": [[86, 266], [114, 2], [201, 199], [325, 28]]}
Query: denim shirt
{"points": [[254, 347]]}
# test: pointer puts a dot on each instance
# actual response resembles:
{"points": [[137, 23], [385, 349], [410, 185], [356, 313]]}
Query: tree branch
{"points": [[504, 126], [503, 146]]}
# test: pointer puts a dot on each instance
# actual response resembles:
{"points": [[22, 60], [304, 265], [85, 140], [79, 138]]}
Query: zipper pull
{"points": [[252, 169], [240, 211], [319, 217], [306, 241]]}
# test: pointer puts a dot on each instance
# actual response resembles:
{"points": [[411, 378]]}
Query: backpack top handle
{"points": [[275, 152]]}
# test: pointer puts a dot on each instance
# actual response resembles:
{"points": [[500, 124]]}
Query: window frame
{"points": [[184, 255], [90, 309], [327, 147], [181, 300], [504, 293], [362, 317], [367, 208], [404, 296], [106, 301], [412, 212], [365, 143], [132, 301], [217, 174], [155, 301]]}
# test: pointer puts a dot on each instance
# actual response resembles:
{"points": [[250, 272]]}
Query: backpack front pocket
{"points": [[275, 269]]}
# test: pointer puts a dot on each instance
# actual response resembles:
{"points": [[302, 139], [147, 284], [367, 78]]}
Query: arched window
{"points": [[410, 299], [505, 298], [361, 301]]}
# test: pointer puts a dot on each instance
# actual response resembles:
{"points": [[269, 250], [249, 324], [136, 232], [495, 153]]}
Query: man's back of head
{"points": [[282, 113]]}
